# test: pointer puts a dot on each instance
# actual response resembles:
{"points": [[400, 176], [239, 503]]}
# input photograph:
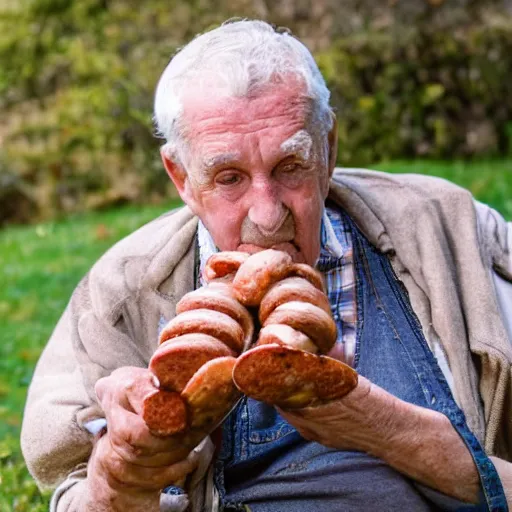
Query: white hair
{"points": [[240, 57]]}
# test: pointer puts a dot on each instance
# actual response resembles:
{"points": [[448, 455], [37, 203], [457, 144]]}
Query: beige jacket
{"points": [[444, 247]]}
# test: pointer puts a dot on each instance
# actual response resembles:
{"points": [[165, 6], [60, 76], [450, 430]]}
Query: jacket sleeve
{"points": [[495, 235], [53, 443]]}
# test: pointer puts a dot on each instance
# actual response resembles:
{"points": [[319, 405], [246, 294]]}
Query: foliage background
{"points": [[409, 78]]}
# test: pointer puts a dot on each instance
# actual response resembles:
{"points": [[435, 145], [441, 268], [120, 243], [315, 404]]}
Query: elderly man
{"points": [[411, 270]]}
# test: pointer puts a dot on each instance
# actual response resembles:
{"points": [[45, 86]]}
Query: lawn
{"points": [[41, 265]]}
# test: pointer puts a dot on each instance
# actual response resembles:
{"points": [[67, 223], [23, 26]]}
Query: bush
{"points": [[425, 93], [417, 78]]}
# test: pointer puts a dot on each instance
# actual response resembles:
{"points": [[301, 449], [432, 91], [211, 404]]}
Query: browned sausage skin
{"points": [[219, 297], [292, 289], [258, 273], [309, 319], [176, 361], [291, 378], [206, 321], [222, 264], [195, 359], [196, 364], [286, 336]]}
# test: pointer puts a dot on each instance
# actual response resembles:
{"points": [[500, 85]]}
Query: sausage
{"points": [[176, 361], [291, 378], [196, 362], [206, 321], [292, 289], [284, 368], [309, 319], [195, 359], [286, 336], [222, 264], [219, 297], [165, 413], [308, 273], [210, 393], [257, 273]]}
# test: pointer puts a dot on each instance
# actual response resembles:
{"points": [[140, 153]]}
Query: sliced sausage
{"points": [[219, 298], [176, 360], [285, 335], [223, 263], [309, 319], [211, 393], [292, 289], [291, 378], [309, 273], [165, 413], [206, 321]]}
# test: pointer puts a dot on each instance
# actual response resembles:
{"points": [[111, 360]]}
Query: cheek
{"points": [[223, 220], [308, 204]]}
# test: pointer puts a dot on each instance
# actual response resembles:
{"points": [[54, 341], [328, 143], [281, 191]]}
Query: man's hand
{"points": [[417, 442], [129, 466]]}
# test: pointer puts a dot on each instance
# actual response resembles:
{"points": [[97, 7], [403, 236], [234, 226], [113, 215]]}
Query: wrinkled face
{"points": [[256, 172]]}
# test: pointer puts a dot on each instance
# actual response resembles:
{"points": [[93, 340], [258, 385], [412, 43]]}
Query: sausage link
{"points": [[309, 319], [210, 393], [194, 362], [222, 264], [206, 321], [219, 298], [258, 273], [292, 289], [177, 360], [308, 273], [292, 378], [165, 413], [286, 336]]}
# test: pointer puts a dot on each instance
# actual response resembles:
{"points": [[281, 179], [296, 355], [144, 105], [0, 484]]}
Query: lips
{"points": [[288, 247]]}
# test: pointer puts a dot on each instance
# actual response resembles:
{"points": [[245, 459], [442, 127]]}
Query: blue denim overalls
{"points": [[264, 465]]}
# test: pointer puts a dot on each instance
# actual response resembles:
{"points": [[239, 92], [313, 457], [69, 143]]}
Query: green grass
{"points": [[41, 264]]}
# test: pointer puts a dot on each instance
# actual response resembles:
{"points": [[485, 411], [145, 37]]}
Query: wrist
{"points": [[379, 412], [107, 492]]}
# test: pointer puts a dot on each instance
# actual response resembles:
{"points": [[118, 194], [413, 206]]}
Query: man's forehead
{"points": [[205, 107]]}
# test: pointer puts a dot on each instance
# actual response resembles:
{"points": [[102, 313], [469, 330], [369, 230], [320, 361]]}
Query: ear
{"points": [[332, 139], [178, 176]]}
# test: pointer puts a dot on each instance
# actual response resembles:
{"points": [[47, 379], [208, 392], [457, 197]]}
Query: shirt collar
{"points": [[207, 247], [331, 246]]}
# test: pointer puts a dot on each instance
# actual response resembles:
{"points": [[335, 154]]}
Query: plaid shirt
{"points": [[337, 265]]}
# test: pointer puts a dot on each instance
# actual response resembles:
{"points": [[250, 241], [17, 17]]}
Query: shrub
{"points": [[417, 78], [419, 92]]}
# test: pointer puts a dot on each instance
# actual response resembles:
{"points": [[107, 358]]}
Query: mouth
{"points": [[289, 247]]}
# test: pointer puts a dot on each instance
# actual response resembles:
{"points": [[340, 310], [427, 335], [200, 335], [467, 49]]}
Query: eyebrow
{"points": [[215, 161], [300, 144]]}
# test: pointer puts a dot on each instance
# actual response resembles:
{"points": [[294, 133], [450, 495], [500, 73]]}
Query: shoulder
{"points": [[401, 198], [388, 207], [144, 258], [382, 183]]}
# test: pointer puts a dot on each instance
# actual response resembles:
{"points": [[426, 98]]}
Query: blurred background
{"points": [[418, 85]]}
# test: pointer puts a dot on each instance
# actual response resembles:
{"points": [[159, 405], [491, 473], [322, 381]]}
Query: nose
{"points": [[267, 211]]}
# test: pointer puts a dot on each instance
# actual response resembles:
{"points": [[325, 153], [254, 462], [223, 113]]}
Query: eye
{"points": [[228, 178], [290, 167]]}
